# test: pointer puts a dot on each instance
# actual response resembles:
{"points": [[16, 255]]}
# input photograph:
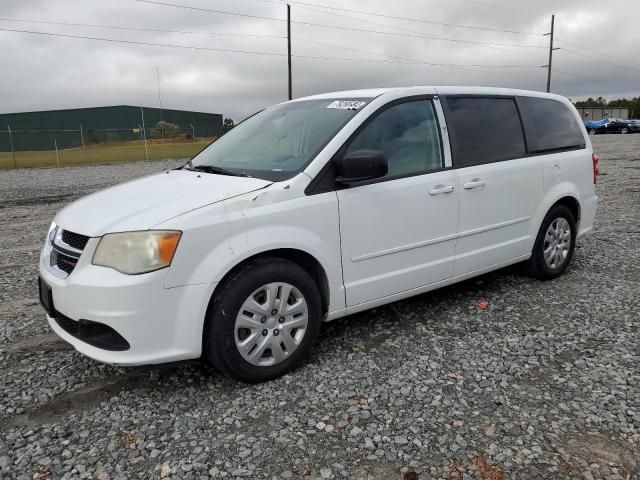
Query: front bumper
{"points": [[159, 324]]}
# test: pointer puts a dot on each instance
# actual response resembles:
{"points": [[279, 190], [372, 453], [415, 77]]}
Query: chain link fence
{"points": [[69, 146]]}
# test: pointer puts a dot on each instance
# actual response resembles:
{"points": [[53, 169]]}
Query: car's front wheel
{"points": [[263, 320], [554, 244], [624, 131]]}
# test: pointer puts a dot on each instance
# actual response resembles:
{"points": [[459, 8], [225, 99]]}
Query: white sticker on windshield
{"points": [[347, 104]]}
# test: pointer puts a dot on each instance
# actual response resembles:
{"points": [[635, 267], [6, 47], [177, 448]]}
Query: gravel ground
{"points": [[542, 383]]}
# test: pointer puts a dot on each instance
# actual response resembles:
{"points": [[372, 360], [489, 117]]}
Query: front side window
{"points": [[408, 135], [277, 143], [550, 125], [484, 130]]}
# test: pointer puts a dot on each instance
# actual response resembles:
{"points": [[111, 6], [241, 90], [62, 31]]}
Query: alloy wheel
{"points": [[557, 242]]}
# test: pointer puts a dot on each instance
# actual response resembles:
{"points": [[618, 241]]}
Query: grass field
{"points": [[114, 152]]}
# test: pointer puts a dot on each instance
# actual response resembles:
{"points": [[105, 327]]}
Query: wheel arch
{"points": [[565, 193], [572, 204], [305, 260]]}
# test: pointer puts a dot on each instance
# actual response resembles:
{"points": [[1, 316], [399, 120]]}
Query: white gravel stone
{"points": [[548, 372], [165, 471]]}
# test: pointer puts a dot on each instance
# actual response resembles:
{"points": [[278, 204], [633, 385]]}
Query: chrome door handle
{"points": [[475, 183], [439, 189]]}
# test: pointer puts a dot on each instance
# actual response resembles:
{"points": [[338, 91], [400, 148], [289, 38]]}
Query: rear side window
{"points": [[484, 130], [549, 125]]}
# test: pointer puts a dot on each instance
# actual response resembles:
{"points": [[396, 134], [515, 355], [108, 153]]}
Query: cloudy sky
{"points": [[599, 55]]}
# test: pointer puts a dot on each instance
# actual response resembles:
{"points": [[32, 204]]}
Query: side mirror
{"points": [[360, 166]]}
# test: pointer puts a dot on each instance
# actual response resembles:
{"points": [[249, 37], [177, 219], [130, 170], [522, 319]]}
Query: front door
{"points": [[398, 233]]}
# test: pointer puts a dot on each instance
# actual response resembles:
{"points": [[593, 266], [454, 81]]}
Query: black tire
{"points": [[536, 266], [624, 131], [219, 347]]}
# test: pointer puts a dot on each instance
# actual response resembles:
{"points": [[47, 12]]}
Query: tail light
{"points": [[595, 159]]}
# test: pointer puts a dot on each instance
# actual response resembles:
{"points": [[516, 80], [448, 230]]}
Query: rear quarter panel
{"points": [[568, 174]]}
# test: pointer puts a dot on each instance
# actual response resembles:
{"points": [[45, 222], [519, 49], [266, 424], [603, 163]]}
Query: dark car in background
{"points": [[634, 125], [611, 125]]}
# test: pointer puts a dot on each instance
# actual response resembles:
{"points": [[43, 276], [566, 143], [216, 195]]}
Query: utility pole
{"points": [[159, 97], [55, 144], [13, 150], [82, 137], [551, 49], [144, 135], [289, 48]]}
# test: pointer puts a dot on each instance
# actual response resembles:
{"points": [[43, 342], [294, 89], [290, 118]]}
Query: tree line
{"points": [[632, 104]]}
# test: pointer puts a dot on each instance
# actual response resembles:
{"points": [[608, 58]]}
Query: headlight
{"points": [[137, 252], [51, 234]]}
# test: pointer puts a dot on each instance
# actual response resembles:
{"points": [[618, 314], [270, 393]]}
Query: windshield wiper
{"points": [[217, 170]]}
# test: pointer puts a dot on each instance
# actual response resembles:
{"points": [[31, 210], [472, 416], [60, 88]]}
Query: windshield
{"points": [[277, 143]]}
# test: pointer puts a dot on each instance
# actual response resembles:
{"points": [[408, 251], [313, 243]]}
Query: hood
{"points": [[140, 204]]}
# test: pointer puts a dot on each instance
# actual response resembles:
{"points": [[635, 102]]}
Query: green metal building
{"points": [[70, 128]]}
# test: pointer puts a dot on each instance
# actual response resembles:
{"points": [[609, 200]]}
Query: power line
{"points": [[314, 57], [338, 27], [405, 58], [418, 34], [192, 32], [606, 55], [224, 12], [410, 19], [564, 49], [140, 29], [596, 80], [596, 52], [431, 64], [132, 42], [394, 34], [324, 44], [341, 47], [500, 7], [473, 69]]}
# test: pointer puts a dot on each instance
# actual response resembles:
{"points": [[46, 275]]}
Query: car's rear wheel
{"points": [[554, 244], [624, 131], [592, 131], [263, 321]]}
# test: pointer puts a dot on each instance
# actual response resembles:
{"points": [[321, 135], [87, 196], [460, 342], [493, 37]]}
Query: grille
{"points": [[74, 240], [66, 252], [66, 263]]}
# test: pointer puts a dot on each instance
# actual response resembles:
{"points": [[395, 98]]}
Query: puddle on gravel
{"points": [[35, 247], [137, 379], [84, 398], [36, 343], [26, 202], [602, 450], [377, 341], [14, 266]]}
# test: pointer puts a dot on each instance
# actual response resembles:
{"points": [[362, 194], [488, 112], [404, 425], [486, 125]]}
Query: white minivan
{"points": [[312, 210]]}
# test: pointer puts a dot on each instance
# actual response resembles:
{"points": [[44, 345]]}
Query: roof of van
{"points": [[442, 90]]}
